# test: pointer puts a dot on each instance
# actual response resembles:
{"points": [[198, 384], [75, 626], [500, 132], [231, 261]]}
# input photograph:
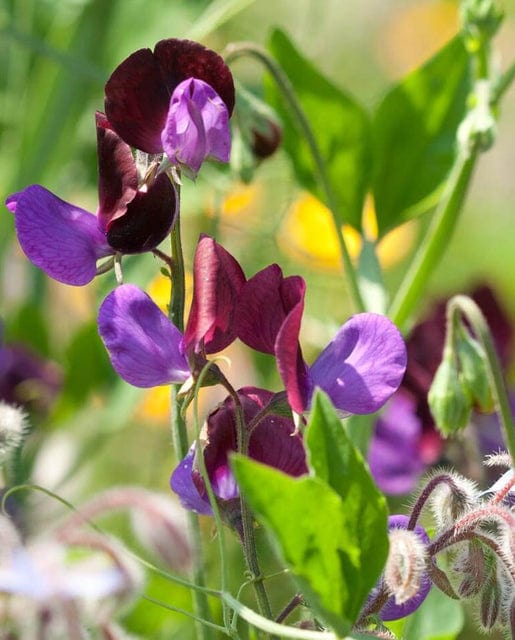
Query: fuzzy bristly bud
{"points": [[13, 428], [490, 603], [450, 500], [472, 565], [405, 565]]}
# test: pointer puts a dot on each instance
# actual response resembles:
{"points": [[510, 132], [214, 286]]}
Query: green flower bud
{"points": [[448, 399], [473, 374], [481, 20]]}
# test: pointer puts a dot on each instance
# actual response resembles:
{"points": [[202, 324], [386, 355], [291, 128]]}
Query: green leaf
{"points": [[414, 136], [439, 618], [334, 459], [330, 527], [370, 278], [341, 128], [308, 522]]}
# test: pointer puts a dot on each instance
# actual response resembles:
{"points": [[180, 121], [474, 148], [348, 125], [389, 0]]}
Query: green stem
{"points": [[247, 519], [505, 82], [467, 307], [238, 50], [178, 425], [436, 241]]}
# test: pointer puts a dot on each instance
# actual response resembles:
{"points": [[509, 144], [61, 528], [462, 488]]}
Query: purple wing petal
{"points": [[394, 454], [144, 346], [58, 237], [217, 279], [363, 365], [197, 126], [182, 484]]}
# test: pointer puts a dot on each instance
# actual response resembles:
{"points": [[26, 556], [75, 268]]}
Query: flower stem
{"points": [[178, 425], [437, 239], [463, 305], [241, 49], [504, 83]]}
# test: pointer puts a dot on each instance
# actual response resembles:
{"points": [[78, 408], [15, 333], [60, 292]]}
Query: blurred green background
{"points": [[55, 59]]}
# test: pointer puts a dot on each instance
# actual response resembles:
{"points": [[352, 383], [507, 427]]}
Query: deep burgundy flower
{"points": [[66, 241], [146, 348], [273, 442], [176, 99], [360, 368]]}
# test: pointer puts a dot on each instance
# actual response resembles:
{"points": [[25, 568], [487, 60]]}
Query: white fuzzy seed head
{"points": [[13, 428]]}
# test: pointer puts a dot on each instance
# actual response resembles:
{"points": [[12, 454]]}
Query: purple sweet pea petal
{"points": [[392, 611], [197, 126], [182, 484], [58, 237], [217, 282], [394, 454], [363, 365], [117, 174], [144, 346]]}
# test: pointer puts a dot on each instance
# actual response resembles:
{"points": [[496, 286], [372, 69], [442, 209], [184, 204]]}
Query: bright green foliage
{"points": [[414, 136], [330, 527], [439, 618], [340, 126]]}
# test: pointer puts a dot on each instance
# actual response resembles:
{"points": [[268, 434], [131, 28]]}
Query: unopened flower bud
{"points": [[473, 374], [481, 19], [448, 399], [405, 564], [451, 499], [259, 124], [13, 428], [490, 603], [473, 567]]}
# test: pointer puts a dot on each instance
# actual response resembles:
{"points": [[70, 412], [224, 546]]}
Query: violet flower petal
{"points": [[394, 455], [197, 126], [144, 346], [61, 239], [217, 282], [181, 482], [392, 611], [363, 365]]}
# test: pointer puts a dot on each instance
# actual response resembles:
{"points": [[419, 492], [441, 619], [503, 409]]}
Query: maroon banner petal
{"points": [[183, 59], [117, 174], [148, 219], [137, 101], [217, 282]]}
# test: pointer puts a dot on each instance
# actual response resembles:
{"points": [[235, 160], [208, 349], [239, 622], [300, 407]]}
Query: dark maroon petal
{"points": [[137, 101], [117, 174], [272, 441], [265, 302], [183, 59], [148, 219], [217, 282]]}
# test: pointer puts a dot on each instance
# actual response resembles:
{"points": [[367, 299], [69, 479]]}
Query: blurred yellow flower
{"points": [[160, 289], [415, 33], [308, 235]]}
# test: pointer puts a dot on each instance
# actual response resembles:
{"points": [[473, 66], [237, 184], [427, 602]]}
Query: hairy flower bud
{"points": [[472, 565], [451, 499], [405, 565], [448, 399], [490, 603], [13, 428]]}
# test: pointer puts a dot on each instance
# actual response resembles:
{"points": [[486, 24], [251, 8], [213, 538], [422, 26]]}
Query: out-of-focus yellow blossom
{"points": [[308, 235], [415, 33], [155, 405], [240, 201], [159, 290]]}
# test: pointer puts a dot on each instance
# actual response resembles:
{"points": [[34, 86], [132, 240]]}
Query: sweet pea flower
{"points": [[66, 241], [273, 441], [360, 368], [146, 348], [176, 99]]}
